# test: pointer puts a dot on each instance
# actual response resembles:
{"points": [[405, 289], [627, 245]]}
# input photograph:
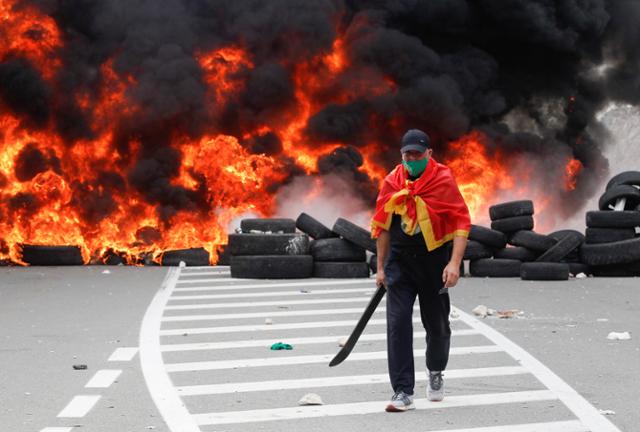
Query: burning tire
{"points": [[617, 192], [354, 234], [268, 244], [513, 224], [191, 257], [511, 209], [532, 240], [491, 267], [544, 271], [37, 255], [631, 178], [337, 250], [621, 252], [271, 266], [476, 250], [346, 270], [274, 225], [608, 235], [487, 236], [613, 219], [516, 253], [314, 228], [560, 250]]}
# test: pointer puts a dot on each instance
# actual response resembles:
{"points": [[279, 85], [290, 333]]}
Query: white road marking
{"points": [[269, 327], [294, 341], [559, 426], [267, 314], [123, 354], [586, 412], [198, 390], [218, 273], [185, 270], [308, 359], [56, 429], [272, 294], [103, 378], [161, 389], [280, 414], [279, 285], [79, 406], [267, 303], [196, 281]]}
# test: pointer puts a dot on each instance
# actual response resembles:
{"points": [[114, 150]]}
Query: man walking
{"points": [[419, 210]]}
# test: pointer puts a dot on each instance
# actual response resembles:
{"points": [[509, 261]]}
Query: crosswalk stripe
{"points": [[103, 378], [278, 285], [200, 390], [217, 273], [271, 294], [266, 303], [269, 327], [559, 426], [309, 359], [79, 406], [186, 270], [266, 314], [279, 414], [294, 341]]}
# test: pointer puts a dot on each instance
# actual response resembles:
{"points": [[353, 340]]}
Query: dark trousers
{"points": [[409, 273]]}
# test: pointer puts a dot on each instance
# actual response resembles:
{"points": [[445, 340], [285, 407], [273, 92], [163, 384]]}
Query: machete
{"points": [[362, 323]]}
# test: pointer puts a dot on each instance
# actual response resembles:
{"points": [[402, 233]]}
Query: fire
{"points": [[572, 170]]}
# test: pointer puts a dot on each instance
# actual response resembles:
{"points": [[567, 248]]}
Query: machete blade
{"points": [[357, 331]]}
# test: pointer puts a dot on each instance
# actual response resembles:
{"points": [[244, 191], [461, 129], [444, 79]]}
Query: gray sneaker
{"points": [[400, 402], [435, 386]]}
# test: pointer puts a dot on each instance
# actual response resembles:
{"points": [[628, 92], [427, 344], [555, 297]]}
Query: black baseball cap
{"points": [[415, 139]]}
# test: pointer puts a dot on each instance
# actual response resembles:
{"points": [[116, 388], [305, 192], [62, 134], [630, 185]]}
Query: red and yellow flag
{"points": [[433, 202]]}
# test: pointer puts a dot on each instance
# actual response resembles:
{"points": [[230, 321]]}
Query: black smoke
{"points": [[455, 65]]}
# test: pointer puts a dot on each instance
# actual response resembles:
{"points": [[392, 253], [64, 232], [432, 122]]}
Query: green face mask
{"points": [[417, 167]]}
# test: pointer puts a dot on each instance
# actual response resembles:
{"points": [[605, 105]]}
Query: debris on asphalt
{"points": [[80, 366], [182, 264], [281, 346], [607, 412], [619, 336], [310, 399], [106, 272], [509, 313], [454, 314], [304, 291], [268, 321], [342, 341], [483, 311], [581, 276]]}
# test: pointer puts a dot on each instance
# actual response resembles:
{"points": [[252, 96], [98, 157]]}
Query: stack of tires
{"points": [[269, 249], [612, 245], [512, 249], [339, 252]]}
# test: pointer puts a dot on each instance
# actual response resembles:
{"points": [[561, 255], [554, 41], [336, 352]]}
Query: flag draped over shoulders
{"points": [[431, 204]]}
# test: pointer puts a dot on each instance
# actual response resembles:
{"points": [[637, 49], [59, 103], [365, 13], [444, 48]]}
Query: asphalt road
{"points": [[54, 318]]}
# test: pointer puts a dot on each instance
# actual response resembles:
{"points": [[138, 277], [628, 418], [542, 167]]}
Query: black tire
{"points": [[224, 255], [544, 271], [560, 250], [313, 227], [621, 252], [608, 235], [274, 225], [610, 197], [373, 264], [575, 268], [532, 240], [355, 234], [513, 224], [492, 238], [489, 267], [271, 266], [191, 257], [337, 250], [268, 244], [511, 209], [613, 219], [623, 270], [625, 178], [346, 270], [37, 255], [559, 235], [516, 253], [476, 250]]}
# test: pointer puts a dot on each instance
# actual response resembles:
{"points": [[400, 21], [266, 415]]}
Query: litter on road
{"points": [[310, 399], [281, 346], [268, 321], [80, 366], [619, 336], [342, 341]]}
